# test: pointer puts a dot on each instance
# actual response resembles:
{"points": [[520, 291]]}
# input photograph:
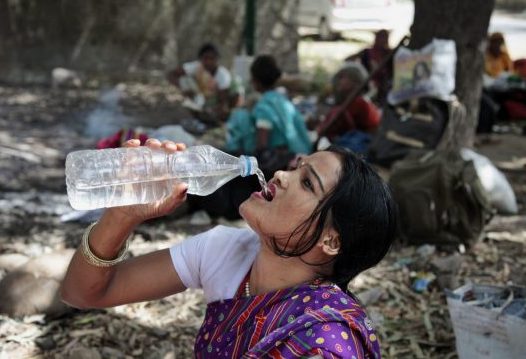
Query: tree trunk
{"points": [[120, 38], [222, 21], [466, 22], [4, 24], [199, 22], [277, 32]]}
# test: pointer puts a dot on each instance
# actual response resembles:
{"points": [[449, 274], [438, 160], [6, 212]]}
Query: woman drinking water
{"points": [[276, 289]]}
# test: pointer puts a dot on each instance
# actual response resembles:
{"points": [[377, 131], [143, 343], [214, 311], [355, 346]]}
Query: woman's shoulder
{"points": [[222, 240], [330, 303], [329, 322], [342, 320], [330, 296], [326, 301], [275, 105], [232, 234], [271, 98]]}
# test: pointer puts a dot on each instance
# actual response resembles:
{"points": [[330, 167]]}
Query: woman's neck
{"points": [[271, 272]]}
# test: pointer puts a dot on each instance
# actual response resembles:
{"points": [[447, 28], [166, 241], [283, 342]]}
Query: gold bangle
{"points": [[96, 261]]}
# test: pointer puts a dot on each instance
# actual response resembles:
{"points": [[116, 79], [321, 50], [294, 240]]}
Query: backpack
{"points": [[413, 125], [441, 199]]}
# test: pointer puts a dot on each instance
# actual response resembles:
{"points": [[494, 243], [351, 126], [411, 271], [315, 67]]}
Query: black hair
{"points": [[208, 47], [265, 70], [363, 212]]}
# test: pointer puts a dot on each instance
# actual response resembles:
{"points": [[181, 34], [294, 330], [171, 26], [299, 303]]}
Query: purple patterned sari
{"points": [[316, 320]]}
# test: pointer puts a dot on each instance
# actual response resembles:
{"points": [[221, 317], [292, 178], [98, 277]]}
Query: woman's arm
{"points": [[143, 278], [146, 277]]}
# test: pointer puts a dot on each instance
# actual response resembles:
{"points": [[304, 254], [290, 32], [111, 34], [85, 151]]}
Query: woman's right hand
{"points": [[137, 214], [89, 286]]}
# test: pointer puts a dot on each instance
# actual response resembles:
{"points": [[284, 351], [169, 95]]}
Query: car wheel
{"points": [[324, 30]]}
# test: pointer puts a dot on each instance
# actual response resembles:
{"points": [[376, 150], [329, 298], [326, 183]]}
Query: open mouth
{"points": [[269, 192]]}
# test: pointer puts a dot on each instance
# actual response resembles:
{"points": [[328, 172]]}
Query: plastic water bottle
{"points": [[125, 176]]}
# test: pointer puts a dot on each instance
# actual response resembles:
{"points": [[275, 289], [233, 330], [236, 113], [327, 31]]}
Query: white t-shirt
{"points": [[222, 76], [216, 261]]}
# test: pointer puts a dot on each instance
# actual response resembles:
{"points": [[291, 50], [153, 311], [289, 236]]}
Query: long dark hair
{"points": [[361, 209]]}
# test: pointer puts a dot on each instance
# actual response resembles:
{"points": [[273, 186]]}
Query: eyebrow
{"points": [[313, 172]]}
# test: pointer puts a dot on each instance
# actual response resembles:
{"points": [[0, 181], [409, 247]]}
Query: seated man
{"points": [[358, 118], [205, 81]]}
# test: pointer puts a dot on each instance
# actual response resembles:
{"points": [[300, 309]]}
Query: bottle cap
{"points": [[249, 165]]}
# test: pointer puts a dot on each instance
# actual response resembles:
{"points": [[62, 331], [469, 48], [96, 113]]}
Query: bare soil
{"points": [[38, 127]]}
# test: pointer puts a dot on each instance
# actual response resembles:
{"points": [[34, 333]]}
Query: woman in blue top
{"points": [[278, 123], [274, 123], [273, 130]]}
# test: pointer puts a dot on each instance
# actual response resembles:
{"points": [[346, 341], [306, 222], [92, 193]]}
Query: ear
{"points": [[330, 243]]}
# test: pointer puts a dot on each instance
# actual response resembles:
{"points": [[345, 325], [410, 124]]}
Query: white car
{"points": [[331, 17]]}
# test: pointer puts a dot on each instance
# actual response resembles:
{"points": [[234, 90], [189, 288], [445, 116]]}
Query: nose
{"points": [[281, 179]]}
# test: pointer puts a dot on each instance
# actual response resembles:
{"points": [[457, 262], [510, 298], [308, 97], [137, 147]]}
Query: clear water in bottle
{"points": [[125, 176]]}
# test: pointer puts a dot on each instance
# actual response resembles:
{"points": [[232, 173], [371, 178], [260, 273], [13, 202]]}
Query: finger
{"points": [[132, 143], [153, 143], [179, 192], [180, 146], [169, 146]]}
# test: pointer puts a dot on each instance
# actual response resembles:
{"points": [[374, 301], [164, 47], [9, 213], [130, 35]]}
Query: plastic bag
{"points": [[488, 321], [428, 72], [500, 193]]}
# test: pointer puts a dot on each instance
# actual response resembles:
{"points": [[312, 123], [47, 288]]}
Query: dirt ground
{"points": [[38, 127]]}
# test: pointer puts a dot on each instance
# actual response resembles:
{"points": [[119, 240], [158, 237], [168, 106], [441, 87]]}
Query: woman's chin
{"points": [[248, 208], [247, 212], [247, 216], [243, 210]]}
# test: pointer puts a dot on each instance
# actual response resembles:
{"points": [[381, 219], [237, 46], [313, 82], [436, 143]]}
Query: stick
{"points": [[393, 136], [352, 95]]}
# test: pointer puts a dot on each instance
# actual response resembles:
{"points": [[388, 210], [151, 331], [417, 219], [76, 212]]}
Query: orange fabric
{"points": [[494, 66]]}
